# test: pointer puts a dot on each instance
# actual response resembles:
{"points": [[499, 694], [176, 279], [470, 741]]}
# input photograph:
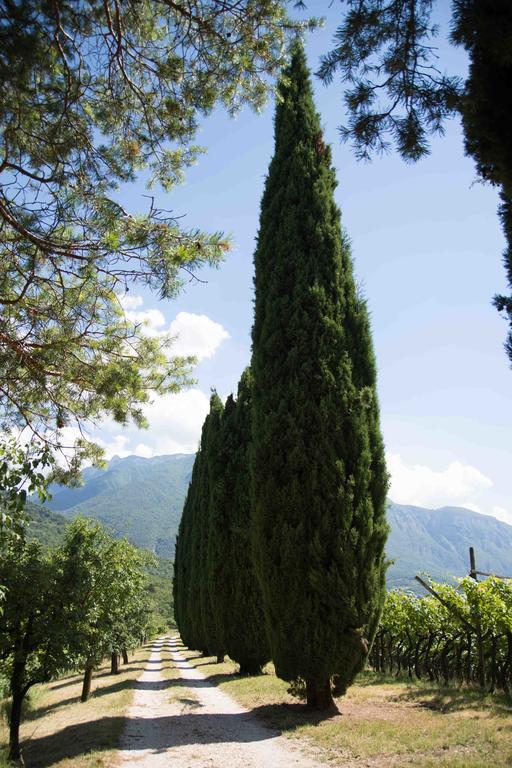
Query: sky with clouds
{"points": [[427, 250]]}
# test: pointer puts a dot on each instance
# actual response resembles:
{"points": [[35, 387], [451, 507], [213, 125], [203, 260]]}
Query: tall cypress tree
{"points": [[188, 566], [234, 591], [210, 448], [318, 470], [182, 562], [196, 619]]}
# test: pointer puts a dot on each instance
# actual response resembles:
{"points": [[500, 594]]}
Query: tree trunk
{"points": [[494, 675], [481, 657], [15, 719], [249, 668], [125, 656], [114, 663], [220, 658], [86, 686], [319, 696]]}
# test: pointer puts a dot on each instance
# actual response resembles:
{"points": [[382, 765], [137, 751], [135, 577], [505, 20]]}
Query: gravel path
{"points": [[196, 725]]}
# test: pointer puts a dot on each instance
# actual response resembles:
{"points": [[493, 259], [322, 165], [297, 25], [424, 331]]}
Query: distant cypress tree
{"points": [[183, 565], [318, 470], [234, 592], [205, 529], [190, 577]]}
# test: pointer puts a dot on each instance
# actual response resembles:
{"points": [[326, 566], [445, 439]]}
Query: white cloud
{"points": [[175, 422], [502, 514], [130, 301], [193, 334], [196, 335], [115, 445], [151, 319], [471, 505], [423, 486]]}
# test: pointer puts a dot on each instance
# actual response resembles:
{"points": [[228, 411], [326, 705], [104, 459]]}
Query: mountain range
{"points": [[142, 499]]}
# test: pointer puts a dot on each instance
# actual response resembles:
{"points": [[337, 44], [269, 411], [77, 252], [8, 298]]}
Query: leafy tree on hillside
{"points": [[34, 627], [66, 607], [396, 93], [109, 611], [21, 472], [92, 96], [319, 477]]}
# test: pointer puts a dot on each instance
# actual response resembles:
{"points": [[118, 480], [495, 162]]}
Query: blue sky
{"points": [[427, 249]]}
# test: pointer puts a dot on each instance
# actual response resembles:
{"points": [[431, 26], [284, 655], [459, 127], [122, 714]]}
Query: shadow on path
{"points": [[165, 732]]}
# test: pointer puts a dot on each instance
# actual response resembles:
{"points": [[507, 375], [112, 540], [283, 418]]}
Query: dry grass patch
{"points": [[382, 724], [60, 731]]}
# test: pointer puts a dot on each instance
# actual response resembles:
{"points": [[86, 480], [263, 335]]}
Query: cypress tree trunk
{"points": [[319, 696], [86, 685], [318, 472], [250, 668], [125, 656]]}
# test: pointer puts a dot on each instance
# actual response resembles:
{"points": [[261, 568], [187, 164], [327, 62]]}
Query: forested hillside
{"points": [[437, 541], [143, 499], [139, 498]]}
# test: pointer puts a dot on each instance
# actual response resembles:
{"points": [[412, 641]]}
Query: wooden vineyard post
{"points": [[479, 639]]}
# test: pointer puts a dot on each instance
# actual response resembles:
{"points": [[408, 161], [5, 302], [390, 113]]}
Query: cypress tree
{"points": [[190, 566], [318, 470], [198, 625], [205, 530], [234, 592], [182, 563]]}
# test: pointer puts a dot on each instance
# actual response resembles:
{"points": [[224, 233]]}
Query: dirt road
{"points": [[193, 724]]}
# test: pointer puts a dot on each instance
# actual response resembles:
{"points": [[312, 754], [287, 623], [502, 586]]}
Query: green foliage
{"points": [[21, 472], [484, 28], [43, 526], [66, 607], [234, 592], [217, 600], [34, 627], [107, 577], [33, 622], [90, 98], [181, 585], [396, 93], [385, 53], [159, 596], [319, 478], [427, 638], [48, 528]]}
